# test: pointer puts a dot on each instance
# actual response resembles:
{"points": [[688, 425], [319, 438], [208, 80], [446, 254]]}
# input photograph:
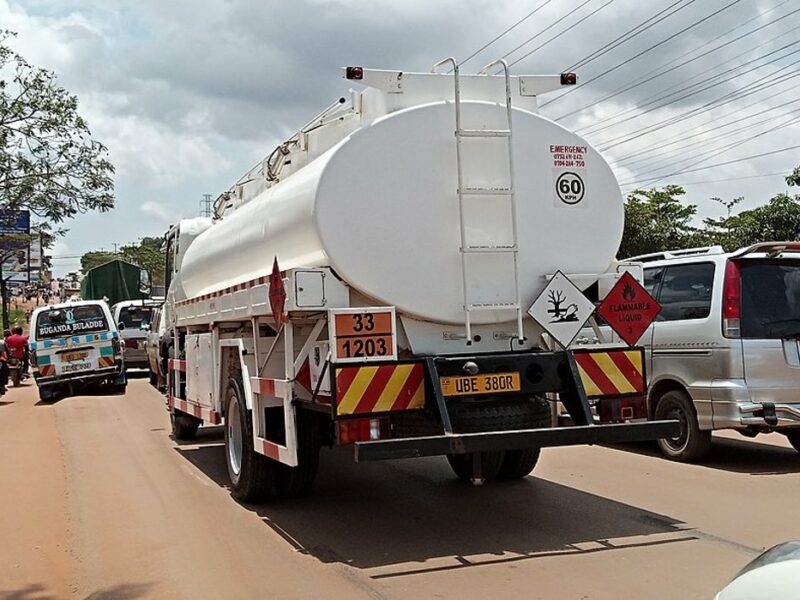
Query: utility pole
{"points": [[206, 206]]}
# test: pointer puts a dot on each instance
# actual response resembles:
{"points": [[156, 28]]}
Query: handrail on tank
{"points": [[499, 61], [449, 59]]}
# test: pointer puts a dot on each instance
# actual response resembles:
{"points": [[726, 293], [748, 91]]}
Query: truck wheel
{"points": [[793, 435], [497, 415], [692, 443], [292, 482], [490, 464], [520, 463], [184, 427], [252, 475]]}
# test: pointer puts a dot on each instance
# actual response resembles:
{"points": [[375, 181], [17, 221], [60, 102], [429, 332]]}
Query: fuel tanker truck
{"points": [[367, 286]]}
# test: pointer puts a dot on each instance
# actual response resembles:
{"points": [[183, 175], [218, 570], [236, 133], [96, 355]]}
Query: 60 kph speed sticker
{"points": [[570, 188]]}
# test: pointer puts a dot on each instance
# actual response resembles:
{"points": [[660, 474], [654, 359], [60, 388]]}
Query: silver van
{"points": [[724, 353]]}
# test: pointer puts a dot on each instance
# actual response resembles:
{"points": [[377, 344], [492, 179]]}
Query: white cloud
{"points": [[160, 211]]}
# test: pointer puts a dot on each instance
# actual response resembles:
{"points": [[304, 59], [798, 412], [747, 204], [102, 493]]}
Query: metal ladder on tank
{"points": [[511, 250]]}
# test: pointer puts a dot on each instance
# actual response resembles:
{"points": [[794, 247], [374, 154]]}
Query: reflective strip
{"points": [[206, 414], [611, 372], [378, 389]]}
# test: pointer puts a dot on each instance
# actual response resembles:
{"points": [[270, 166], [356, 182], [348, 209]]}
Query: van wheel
{"points": [[252, 475], [793, 435], [692, 443], [47, 393], [184, 427]]}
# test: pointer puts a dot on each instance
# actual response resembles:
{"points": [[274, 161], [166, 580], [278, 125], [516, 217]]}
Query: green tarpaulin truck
{"points": [[115, 281]]}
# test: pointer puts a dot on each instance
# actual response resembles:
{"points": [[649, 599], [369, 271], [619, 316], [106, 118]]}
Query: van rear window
{"points": [[135, 317], [770, 298], [70, 321]]}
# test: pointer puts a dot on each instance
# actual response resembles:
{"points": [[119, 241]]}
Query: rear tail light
{"points": [[569, 79], [363, 430], [354, 73], [132, 344], [732, 301]]}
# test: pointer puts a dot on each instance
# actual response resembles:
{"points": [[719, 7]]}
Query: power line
{"points": [[575, 24], [650, 48], [745, 91], [726, 179], [684, 63], [648, 153], [631, 33], [708, 154], [553, 24], [713, 166], [514, 26], [671, 91]]}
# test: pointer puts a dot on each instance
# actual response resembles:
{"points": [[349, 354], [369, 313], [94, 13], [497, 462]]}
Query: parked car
{"points": [[773, 575], [133, 318], [75, 344], [156, 348], [724, 353]]}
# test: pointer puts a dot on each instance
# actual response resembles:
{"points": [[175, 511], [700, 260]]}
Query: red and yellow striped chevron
{"points": [[377, 389], [611, 372], [105, 361]]}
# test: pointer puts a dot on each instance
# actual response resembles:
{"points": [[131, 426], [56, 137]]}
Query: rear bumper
{"points": [[83, 377], [136, 358], [465, 443], [774, 415]]}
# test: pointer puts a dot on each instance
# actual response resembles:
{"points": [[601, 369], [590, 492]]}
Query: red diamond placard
{"points": [[629, 309]]}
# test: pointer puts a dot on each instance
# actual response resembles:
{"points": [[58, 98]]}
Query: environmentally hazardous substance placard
{"points": [[629, 309], [561, 309]]}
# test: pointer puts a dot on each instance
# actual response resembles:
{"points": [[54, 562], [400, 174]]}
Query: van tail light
{"points": [[363, 430], [732, 301], [132, 344]]}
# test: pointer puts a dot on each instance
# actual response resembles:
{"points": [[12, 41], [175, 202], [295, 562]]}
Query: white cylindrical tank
{"points": [[381, 209]]}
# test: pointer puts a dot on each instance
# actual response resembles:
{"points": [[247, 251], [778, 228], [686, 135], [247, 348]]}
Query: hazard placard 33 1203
{"points": [[362, 334]]}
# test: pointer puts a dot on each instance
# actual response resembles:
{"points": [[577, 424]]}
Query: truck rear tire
{"points": [[252, 475], [693, 443], [293, 482], [490, 464], [184, 427], [793, 435], [499, 415]]}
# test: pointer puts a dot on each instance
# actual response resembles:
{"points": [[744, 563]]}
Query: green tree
{"points": [[656, 220], [147, 254], [49, 162], [93, 259], [776, 221], [794, 177]]}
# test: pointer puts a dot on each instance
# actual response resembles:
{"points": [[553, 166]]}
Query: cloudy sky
{"points": [[188, 94]]}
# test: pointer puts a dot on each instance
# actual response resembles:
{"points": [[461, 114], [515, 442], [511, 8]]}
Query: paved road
{"points": [[96, 501]]}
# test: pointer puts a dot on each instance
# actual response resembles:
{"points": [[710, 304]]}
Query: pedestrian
{"points": [[3, 366]]}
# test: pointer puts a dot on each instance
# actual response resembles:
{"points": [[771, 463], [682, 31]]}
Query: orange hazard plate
{"points": [[363, 334], [470, 385]]}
